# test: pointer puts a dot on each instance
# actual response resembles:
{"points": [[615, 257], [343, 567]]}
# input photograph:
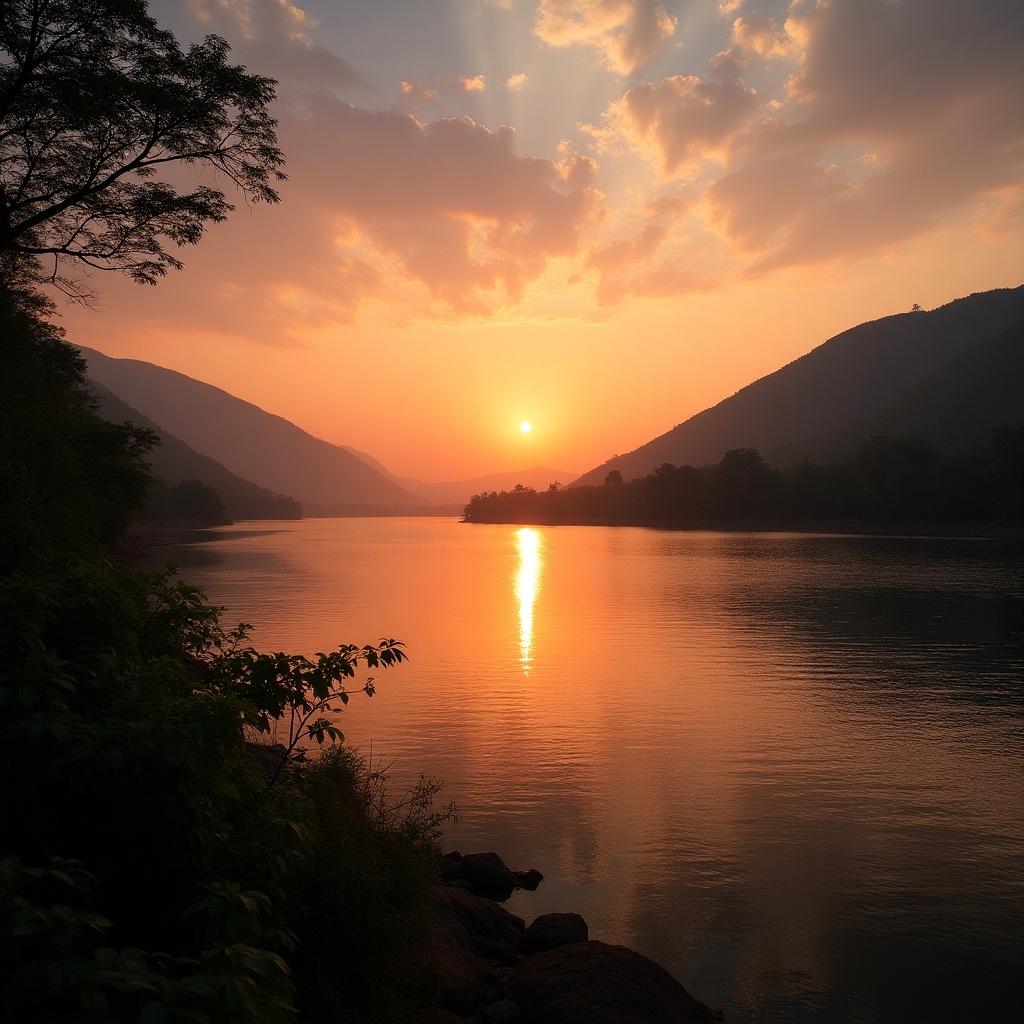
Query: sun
{"points": [[526, 426]]}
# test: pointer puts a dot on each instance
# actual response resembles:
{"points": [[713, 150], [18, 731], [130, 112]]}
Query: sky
{"points": [[601, 216]]}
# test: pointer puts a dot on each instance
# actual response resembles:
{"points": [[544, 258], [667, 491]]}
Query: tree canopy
{"points": [[98, 105], [885, 480]]}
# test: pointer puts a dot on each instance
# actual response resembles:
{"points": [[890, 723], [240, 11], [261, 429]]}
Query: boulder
{"points": [[493, 932], [489, 875], [549, 931], [460, 980], [594, 983], [504, 1011], [528, 879], [451, 866]]}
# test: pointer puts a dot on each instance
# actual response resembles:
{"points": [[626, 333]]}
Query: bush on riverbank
{"points": [[154, 867]]}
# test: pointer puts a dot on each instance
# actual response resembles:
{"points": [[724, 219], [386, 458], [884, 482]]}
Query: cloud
{"points": [[628, 34], [425, 94], [515, 82], [636, 265], [729, 7], [761, 35], [276, 38], [449, 203], [442, 218], [414, 94], [899, 116], [618, 263], [683, 118]]}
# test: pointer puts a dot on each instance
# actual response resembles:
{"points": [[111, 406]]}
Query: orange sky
{"points": [[599, 215]]}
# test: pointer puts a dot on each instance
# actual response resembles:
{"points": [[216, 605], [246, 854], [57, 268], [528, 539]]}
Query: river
{"points": [[788, 767]]}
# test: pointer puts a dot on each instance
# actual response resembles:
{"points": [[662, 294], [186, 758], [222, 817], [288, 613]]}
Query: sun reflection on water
{"points": [[527, 583]]}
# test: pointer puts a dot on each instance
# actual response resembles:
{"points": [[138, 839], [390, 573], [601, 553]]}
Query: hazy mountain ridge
{"points": [[173, 461], [456, 493], [254, 444], [460, 491], [250, 444], [858, 377]]}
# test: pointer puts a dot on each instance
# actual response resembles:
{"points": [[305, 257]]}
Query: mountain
{"points": [[458, 492], [257, 445], [174, 461], [956, 408], [859, 376]]}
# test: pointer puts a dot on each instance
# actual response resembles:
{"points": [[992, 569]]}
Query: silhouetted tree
{"points": [[193, 501], [613, 479], [886, 479], [96, 103], [744, 483]]}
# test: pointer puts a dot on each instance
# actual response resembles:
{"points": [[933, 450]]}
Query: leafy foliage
{"points": [[190, 878], [97, 102]]}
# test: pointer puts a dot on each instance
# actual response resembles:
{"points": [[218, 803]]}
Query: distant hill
{"points": [[858, 377], [458, 492], [257, 445], [956, 408], [455, 493], [174, 461]]}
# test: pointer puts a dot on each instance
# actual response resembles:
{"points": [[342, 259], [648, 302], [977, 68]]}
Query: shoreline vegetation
{"points": [[889, 485]]}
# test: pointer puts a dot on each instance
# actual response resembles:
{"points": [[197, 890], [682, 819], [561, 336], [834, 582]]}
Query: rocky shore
{"points": [[486, 965]]}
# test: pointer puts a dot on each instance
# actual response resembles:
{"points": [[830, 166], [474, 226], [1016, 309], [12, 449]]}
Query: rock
{"points": [[593, 983], [451, 866], [467, 950], [459, 980], [549, 931], [489, 875], [528, 879], [493, 932], [502, 1012]]}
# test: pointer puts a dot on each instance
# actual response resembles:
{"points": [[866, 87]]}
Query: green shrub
{"points": [[158, 871], [370, 857]]}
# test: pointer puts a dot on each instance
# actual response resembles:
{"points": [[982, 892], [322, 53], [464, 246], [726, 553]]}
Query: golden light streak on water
{"points": [[527, 583]]}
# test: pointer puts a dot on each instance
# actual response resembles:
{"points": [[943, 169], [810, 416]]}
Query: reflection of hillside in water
{"points": [[880, 784], [896, 618]]}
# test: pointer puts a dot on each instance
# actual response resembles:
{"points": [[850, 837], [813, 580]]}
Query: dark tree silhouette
{"points": [[194, 501], [885, 480], [97, 102], [613, 479]]}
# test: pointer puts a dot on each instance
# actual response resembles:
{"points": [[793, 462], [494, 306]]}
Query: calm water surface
{"points": [[787, 767]]}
